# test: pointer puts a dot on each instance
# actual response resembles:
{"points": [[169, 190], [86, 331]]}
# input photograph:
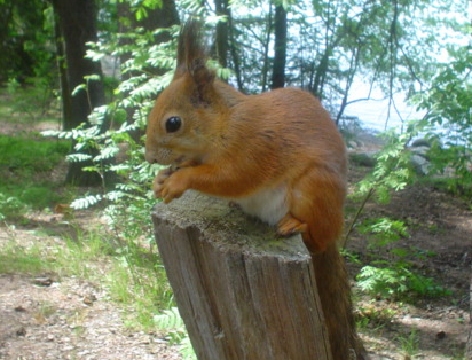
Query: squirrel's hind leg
{"points": [[290, 225], [317, 200]]}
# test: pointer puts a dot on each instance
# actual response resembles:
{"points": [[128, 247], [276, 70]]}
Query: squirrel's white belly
{"points": [[269, 205]]}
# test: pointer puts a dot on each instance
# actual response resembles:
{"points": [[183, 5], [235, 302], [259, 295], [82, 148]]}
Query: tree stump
{"points": [[242, 291]]}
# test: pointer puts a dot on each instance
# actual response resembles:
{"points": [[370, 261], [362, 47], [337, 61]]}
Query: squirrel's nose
{"points": [[150, 156]]}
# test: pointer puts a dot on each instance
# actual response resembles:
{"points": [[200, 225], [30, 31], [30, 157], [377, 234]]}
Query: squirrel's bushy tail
{"points": [[335, 295]]}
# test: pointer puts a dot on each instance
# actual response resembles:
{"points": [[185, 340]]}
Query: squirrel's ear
{"points": [[203, 78], [190, 48], [191, 57]]}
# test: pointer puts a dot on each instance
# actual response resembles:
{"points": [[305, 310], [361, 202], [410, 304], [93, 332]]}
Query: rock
{"points": [[420, 164], [362, 159], [43, 281], [421, 143], [66, 339], [351, 144], [89, 299]]}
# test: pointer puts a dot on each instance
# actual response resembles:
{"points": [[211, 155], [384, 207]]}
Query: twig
{"points": [[356, 217]]}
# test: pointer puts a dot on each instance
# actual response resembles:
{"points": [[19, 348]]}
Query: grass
{"points": [[29, 102], [15, 258], [133, 275], [410, 342], [26, 163]]}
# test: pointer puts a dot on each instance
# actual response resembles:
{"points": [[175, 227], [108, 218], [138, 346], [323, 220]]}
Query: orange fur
{"points": [[278, 154], [239, 144]]}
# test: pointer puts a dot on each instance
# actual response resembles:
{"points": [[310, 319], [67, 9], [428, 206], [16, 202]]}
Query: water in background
{"points": [[376, 114]]}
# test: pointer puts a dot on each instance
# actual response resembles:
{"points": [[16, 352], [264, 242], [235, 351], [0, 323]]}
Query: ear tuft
{"points": [[190, 50], [191, 58]]}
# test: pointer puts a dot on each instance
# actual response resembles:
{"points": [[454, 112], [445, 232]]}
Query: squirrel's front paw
{"points": [[170, 185], [158, 184]]}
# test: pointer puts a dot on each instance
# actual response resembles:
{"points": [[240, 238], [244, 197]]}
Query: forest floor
{"points": [[438, 246], [49, 317]]}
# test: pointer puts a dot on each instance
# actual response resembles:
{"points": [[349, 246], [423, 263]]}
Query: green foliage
{"points": [[448, 120], [26, 163], [141, 7], [32, 100], [137, 279], [11, 207], [410, 343], [171, 322], [392, 170], [393, 278], [129, 201], [132, 275], [374, 314], [383, 230], [31, 154], [26, 34], [85, 202], [40, 197], [397, 282], [147, 70], [14, 258]]}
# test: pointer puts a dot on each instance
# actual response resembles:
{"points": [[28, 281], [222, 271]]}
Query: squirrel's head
{"points": [[178, 123]]}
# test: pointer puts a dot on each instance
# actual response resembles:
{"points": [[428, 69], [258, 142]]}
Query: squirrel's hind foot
{"points": [[289, 225]]}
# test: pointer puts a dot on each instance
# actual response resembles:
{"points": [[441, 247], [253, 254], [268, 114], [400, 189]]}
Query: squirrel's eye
{"points": [[173, 124]]}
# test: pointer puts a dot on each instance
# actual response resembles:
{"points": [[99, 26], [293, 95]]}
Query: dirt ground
{"points": [[440, 225], [44, 318]]}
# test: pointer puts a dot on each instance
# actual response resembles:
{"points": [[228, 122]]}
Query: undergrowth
{"points": [[134, 277], [391, 275], [118, 257], [26, 163]]}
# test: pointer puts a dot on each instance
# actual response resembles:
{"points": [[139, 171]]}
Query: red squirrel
{"points": [[277, 154]]}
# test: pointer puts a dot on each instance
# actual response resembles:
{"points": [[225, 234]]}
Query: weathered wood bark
{"points": [[243, 292]]}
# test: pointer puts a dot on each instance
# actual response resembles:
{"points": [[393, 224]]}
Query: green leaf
{"points": [[79, 88]]}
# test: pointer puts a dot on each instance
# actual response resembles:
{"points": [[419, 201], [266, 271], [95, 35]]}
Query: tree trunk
{"points": [[265, 66], [222, 8], [159, 18], [280, 32], [62, 66], [234, 54], [243, 293], [6, 14], [77, 26]]}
